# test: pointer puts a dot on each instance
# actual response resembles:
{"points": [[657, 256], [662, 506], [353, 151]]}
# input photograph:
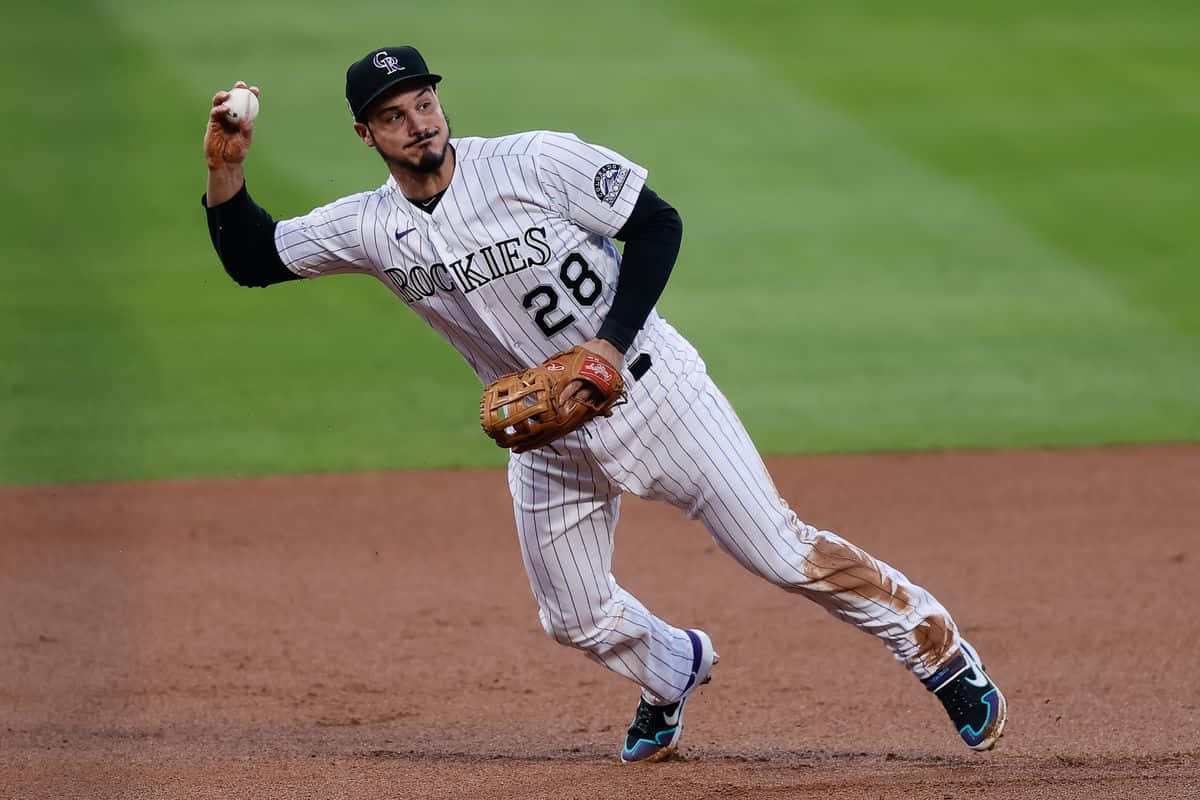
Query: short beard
{"points": [[429, 161]]}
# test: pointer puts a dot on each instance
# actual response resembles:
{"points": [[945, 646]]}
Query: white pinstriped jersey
{"points": [[515, 263]]}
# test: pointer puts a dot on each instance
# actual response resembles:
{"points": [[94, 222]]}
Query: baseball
{"points": [[242, 103]]}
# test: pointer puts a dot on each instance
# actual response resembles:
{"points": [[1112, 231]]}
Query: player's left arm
{"points": [[605, 193], [652, 236]]}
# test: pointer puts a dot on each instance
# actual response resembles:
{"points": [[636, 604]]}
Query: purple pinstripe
{"points": [[679, 440], [676, 440]]}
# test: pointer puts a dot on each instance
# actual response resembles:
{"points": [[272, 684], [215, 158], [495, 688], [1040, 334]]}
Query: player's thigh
{"points": [[733, 494], [565, 511]]}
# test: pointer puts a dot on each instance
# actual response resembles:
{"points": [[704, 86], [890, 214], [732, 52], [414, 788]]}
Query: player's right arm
{"points": [[226, 144], [254, 249], [242, 233]]}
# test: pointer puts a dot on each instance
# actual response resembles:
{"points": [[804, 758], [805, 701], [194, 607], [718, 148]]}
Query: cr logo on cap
{"points": [[385, 61]]}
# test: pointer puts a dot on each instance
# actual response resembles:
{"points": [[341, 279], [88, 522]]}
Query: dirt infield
{"points": [[374, 636]]}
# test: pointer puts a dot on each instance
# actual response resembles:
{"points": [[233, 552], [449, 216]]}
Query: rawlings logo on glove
{"points": [[522, 410]]}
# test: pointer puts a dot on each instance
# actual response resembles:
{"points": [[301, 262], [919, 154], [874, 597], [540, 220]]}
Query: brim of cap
{"points": [[428, 77]]}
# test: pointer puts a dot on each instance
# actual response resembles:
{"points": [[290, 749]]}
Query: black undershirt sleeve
{"points": [[651, 235], [244, 237]]}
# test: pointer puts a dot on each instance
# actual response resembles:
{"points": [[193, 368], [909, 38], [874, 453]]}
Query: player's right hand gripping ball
{"points": [[521, 410]]}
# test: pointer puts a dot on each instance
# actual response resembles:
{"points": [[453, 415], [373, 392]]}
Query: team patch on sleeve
{"points": [[609, 182]]}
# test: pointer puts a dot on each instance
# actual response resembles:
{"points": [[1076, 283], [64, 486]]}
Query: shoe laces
{"points": [[648, 717], [643, 719]]}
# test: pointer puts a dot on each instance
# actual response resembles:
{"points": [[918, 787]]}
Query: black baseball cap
{"points": [[381, 70]]}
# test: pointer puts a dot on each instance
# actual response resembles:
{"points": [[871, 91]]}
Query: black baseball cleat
{"points": [[976, 707], [655, 731]]}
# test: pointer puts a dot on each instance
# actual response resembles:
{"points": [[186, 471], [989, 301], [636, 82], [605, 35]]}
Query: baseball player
{"points": [[506, 247]]}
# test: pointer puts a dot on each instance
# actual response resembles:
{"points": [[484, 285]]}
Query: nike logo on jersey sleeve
{"points": [[401, 234]]}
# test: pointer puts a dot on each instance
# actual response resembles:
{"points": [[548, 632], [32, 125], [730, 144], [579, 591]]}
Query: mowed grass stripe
{"points": [[1076, 124], [74, 363], [934, 312], [850, 291], [136, 355]]}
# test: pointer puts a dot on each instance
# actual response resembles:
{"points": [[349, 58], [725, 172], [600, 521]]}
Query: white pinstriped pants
{"points": [[679, 440]]}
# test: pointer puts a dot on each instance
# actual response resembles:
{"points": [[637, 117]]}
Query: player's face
{"points": [[409, 129]]}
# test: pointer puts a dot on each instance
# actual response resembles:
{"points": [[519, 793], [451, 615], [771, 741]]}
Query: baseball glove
{"points": [[521, 410]]}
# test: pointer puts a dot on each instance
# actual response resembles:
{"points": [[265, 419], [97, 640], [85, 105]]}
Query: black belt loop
{"points": [[639, 366]]}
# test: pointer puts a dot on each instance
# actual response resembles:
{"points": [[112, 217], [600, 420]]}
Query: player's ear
{"points": [[364, 133]]}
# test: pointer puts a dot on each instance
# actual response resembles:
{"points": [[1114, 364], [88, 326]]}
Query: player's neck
{"points": [[422, 185]]}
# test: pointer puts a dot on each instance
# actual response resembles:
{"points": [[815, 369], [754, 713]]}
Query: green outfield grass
{"points": [[945, 226]]}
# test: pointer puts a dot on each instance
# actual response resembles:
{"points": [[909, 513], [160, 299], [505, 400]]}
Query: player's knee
{"points": [[786, 573], [587, 637], [563, 631], [590, 634], [811, 558], [555, 630]]}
